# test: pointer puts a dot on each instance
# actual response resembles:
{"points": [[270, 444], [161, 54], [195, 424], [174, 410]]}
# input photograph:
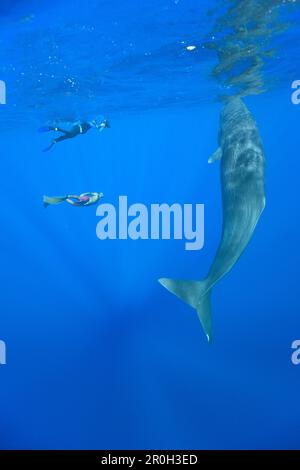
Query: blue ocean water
{"points": [[99, 355]]}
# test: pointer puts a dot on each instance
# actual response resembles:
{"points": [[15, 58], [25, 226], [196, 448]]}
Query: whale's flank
{"points": [[242, 165]]}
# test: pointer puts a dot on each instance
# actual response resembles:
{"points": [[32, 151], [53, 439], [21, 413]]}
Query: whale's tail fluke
{"points": [[197, 294]]}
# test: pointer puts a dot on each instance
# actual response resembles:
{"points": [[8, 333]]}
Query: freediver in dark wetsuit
{"points": [[80, 127]]}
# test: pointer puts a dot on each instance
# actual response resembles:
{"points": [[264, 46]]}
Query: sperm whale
{"points": [[243, 200]]}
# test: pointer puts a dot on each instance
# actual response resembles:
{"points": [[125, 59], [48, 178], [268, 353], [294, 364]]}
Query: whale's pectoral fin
{"points": [[215, 156], [195, 294]]}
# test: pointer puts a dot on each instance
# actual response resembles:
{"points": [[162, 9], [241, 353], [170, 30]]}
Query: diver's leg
{"points": [[52, 128], [66, 136], [56, 141], [59, 129], [49, 147]]}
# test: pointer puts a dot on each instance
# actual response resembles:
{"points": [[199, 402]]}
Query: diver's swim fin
{"points": [[197, 294], [44, 129], [53, 200]]}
